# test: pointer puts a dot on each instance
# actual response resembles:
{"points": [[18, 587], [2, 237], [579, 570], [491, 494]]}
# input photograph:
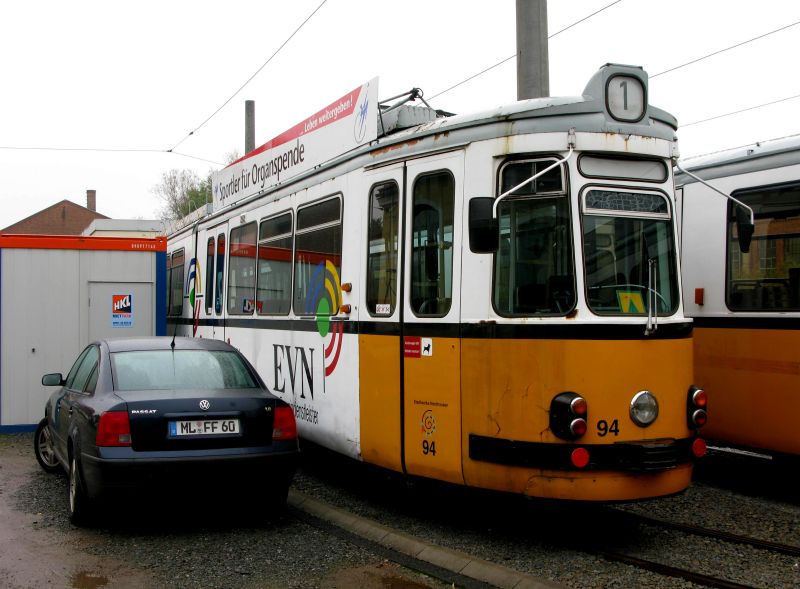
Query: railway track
{"points": [[704, 579]]}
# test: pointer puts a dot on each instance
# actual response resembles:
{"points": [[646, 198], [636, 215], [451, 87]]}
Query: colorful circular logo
{"points": [[428, 423], [323, 301]]}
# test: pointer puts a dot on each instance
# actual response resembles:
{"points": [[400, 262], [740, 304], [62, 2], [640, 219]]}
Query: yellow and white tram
{"points": [[491, 300], [744, 294]]}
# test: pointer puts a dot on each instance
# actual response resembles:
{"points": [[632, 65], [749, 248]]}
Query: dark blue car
{"points": [[165, 413]]}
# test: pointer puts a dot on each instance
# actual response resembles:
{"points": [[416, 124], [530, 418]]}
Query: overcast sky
{"points": [[99, 75]]}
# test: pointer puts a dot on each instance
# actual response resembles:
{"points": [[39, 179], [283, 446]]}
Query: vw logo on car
{"points": [[204, 405]]}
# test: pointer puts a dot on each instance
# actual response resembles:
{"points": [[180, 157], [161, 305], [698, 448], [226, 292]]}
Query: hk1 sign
{"points": [[343, 125]]}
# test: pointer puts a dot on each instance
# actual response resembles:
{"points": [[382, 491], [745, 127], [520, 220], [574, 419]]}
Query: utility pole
{"points": [[249, 126], [533, 70]]}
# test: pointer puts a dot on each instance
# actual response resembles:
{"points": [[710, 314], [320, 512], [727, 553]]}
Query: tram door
{"points": [[430, 336], [211, 247]]}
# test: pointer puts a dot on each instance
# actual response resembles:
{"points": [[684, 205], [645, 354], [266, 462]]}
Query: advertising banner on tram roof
{"points": [[343, 125]]}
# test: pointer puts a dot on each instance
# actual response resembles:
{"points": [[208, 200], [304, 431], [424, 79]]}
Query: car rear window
{"points": [[180, 369]]}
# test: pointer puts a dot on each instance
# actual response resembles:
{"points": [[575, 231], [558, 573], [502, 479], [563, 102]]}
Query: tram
{"points": [[742, 289], [490, 300]]}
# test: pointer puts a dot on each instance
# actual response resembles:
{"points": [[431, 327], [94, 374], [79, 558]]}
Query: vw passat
{"points": [[165, 413]]}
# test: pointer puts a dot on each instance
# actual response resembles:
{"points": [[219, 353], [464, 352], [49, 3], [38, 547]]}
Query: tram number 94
{"points": [[604, 428], [428, 448]]}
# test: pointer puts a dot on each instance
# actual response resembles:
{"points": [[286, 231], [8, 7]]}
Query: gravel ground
{"points": [[541, 538], [544, 538], [181, 546]]}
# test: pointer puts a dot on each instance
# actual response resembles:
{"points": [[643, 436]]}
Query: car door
{"points": [[72, 409]]}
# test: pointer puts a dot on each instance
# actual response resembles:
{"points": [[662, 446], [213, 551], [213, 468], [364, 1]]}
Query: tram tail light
{"points": [[579, 457], [696, 407], [699, 447], [568, 415]]}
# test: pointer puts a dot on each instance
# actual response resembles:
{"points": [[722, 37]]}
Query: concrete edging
{"points": [[451, 560]]}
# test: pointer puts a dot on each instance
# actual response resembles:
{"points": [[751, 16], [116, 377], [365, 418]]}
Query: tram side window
{"points": [[242, 270], [209, 289], [383, 249], [176, 283], [218, 279], [274, 292], [766, 278], [318, 259], [432, 244], [534, 270]]}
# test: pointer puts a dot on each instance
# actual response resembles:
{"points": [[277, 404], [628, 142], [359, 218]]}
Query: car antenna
{"points": [[174, 333]]}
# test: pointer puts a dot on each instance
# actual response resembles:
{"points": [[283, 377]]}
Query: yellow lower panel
{"points": [[507, 387], [432, 407], [379, 377], [752, 377], [584, 486]]}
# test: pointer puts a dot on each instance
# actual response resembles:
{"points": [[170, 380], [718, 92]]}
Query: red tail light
{"points": [[696, 407], [699, 418], [568, 415], [114, 429], [700, 398], [578, 427], [699, 448], [284, 427], [579, 457]]}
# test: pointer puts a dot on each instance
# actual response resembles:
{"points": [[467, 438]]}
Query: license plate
{"points": [[203, 427]]}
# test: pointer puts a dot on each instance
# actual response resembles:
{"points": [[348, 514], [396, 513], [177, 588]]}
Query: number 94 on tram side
{"points": [[491, 300]]}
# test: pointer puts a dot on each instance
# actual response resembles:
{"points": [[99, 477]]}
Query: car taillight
{"points": [[696, 407], [568, 415], [284, 426], [114, 429]]}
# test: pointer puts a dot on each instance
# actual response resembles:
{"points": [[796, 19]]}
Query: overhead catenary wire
{"points": [[736, 112], [677, 67], [250, 79]]}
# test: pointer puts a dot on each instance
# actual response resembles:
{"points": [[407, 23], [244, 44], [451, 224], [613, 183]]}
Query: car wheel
{"points": [[80, 506], [44, 449]]}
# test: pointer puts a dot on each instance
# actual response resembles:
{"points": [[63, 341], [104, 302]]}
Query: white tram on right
{"points": [[744, 294]]}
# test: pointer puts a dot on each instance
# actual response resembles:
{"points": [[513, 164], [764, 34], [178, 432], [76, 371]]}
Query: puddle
{"points": [[88, 581], [393, 582]]}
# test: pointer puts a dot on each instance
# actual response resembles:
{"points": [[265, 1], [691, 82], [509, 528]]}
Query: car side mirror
{"points": [[744, 228], [484, 230], [53, 380]]}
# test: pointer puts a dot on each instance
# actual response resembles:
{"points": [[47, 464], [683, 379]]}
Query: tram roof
{"points": [[587, 113], [762, 155]]}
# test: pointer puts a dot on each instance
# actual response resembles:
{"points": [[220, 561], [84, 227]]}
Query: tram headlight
{"points": [[568, 415], [644, 408]]}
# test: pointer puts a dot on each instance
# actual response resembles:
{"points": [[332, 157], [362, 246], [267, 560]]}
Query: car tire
{"points": [[80, 505], [44, 448]]}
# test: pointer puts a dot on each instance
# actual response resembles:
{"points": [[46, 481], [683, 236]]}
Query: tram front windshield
{"points": [[629, 253]]}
